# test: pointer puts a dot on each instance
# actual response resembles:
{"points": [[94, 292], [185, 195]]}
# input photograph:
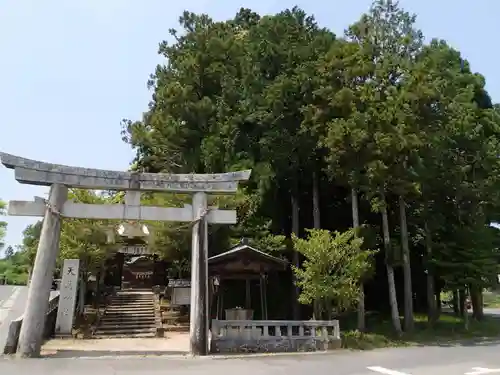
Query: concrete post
{"points": [[30, 338], [198, 327]]}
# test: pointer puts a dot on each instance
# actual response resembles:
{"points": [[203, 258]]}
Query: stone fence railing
{"points": [[48, 330], [273, 335]]}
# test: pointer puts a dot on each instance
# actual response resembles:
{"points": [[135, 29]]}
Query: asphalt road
{"points": [[13, 300], [12, 304], [456, 360], [464, 359]]}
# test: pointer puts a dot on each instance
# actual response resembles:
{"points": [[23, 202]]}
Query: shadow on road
{"points": [[487, 341]]}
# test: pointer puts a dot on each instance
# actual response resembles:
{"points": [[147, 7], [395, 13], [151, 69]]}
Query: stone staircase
{"points": [[131, 313]]}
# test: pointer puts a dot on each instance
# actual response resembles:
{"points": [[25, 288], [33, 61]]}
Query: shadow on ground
{"points": [[109, 353]]}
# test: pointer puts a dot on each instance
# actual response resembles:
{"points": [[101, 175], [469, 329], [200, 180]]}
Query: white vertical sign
{"points": [[67, 296]]}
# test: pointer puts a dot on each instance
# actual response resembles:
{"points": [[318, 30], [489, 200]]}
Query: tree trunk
{"points": [[439, 302], [295, 257], [97, 297], [316, 209], [462, 302], [81, 295], [30, 270], [361, 299], [476, 296], [408, 289], [393, 301], [456, 303], [317, 225], [463, 294], [328, 309], [432, 310]]}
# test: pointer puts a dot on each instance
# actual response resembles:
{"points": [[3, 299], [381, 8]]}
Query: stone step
{"points": [[126, 325], [135, 298], [125, 336], [129, 318], [128, 307], [129, 323], [145, 302], [139, 307], [135, 292], [177, 328], [134, 303], [130, 312], [132, 298], [129, 315], [125, 331]]}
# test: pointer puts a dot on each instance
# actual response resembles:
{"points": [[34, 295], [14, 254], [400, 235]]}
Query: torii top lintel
{"points": [[35, 172]]}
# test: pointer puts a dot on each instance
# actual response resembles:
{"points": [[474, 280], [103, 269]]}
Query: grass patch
{"points": [[491, 299], [448, 330]]}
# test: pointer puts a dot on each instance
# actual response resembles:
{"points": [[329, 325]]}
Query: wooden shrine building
{"points": [[242, 268]]}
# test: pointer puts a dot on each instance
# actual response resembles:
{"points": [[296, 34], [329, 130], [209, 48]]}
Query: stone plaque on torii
{"points": [[61, 177]]}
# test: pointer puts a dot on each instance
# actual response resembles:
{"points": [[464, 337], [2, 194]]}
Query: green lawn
{"points": [[448, 330]]}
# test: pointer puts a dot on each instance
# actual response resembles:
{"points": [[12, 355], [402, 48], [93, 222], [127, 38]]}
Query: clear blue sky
{"points": [[72, 69]]}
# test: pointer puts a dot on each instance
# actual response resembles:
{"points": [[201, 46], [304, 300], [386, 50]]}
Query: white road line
{"points": [[482, 370], [386, 371], [7, 305]]}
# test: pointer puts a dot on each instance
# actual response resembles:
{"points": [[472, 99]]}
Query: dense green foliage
{"points": [[406, 125], [86, 240], [374, 128], [14, 267]]}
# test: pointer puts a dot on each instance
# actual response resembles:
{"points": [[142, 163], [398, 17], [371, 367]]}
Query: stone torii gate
{"points": [[60, 178]]}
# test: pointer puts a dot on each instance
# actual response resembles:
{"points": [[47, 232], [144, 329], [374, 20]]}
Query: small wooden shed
{"points": [[242, 262]]}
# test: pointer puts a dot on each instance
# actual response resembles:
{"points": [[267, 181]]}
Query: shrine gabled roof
{"points": [[244, 248]]}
